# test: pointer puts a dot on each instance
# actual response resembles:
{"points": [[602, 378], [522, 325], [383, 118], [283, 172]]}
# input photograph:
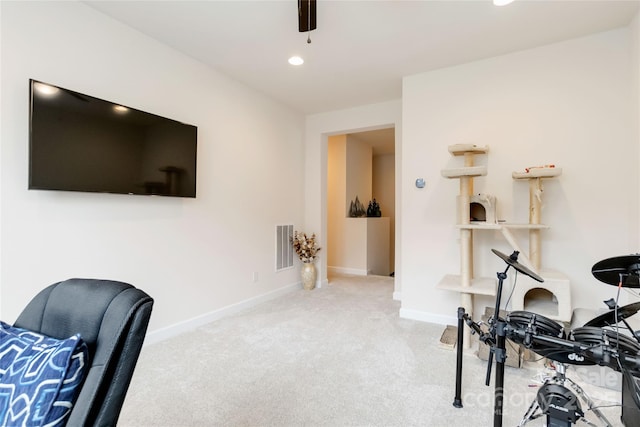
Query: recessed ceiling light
{"points": [[296, 60], [502, 2], [120, 109]]}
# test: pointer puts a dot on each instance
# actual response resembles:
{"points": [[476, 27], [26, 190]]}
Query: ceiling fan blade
{"points": [[306, 15]]}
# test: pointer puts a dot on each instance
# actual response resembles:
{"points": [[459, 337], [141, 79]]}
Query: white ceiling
{"points": [[361, 49]]}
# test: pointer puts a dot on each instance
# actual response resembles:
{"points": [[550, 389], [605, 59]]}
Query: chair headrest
{"points": [[84, 306]]}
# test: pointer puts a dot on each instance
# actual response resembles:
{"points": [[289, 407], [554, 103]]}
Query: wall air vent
{"points": [[284, 249]]}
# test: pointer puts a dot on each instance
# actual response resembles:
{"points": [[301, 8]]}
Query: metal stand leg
{"points": [[501, 357], [457, 401], [590, 404], [531, 415]]}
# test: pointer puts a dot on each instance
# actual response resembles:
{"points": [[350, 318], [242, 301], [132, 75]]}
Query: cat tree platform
{"points": [[467, 149], [541, 172], [468, 171], [478, 286]]}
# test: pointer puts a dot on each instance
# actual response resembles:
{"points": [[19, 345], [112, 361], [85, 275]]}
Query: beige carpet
{"points": [[336, 356]]}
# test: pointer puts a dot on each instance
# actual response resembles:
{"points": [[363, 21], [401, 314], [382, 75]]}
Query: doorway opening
{"points": [[361, 165]]}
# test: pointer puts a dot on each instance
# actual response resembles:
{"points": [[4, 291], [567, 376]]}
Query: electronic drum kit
{"points": [[606, 340]]}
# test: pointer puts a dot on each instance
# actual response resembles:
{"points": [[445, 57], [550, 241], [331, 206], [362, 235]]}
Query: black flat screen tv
{"points": [[81, 143]]}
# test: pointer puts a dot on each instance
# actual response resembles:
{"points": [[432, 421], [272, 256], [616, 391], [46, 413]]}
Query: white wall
{"points": [[336, 248], [194, 256], [377, 245], [568, 104], [384, 191], [359, 172]]}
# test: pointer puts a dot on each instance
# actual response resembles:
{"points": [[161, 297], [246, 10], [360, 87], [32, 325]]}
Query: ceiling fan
{"points": [[307, 17]]}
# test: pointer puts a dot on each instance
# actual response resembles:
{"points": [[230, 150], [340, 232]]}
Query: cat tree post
{"points": [[535, 204], [466, 237], [534, 176], [555, 283], [466, 247], [464, 283]]}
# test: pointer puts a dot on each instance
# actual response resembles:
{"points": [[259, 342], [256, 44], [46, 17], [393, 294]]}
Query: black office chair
{"points": [[112, 318]]}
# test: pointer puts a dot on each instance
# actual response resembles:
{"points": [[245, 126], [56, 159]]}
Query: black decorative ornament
{"points": [[374, 209], [356, 209]]}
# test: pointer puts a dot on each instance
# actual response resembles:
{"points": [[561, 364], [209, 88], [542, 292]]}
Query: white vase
{"points": [[308, 276]]}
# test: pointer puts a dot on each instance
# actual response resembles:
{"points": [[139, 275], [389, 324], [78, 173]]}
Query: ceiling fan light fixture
{"points": [[296, 60]]}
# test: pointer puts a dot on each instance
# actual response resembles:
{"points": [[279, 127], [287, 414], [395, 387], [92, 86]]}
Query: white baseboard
{"points": [[346, 270], [196, 322], [424, 316]]}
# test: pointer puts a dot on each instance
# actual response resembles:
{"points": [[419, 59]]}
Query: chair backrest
{"points": [[112, 318]]}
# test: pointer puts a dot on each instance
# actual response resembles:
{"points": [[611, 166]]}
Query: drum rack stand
{"points": [[496, 339], [556, 401], [553, 388]]}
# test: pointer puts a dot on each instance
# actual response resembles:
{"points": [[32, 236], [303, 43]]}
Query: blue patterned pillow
{"points": [[40, 377]]}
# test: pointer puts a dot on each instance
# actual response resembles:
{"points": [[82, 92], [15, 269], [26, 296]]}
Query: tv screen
{"points": [[81, 143]]}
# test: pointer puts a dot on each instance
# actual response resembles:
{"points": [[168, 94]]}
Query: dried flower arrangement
{"points": [[306, 247]]}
